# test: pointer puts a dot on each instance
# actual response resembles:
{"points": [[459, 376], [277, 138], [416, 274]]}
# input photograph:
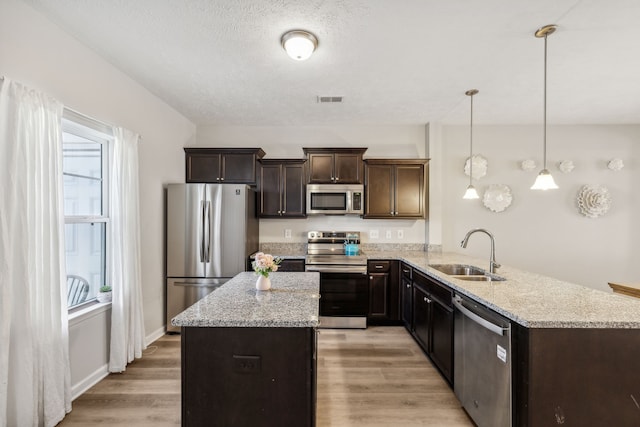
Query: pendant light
{"points": [[545, 181], [471, 192]]}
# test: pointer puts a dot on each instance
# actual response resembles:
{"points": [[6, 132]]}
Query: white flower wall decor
{"points": [[480, 165], [615, 164], [497, 197], [594, 200], [528, 165], [566, 166]]}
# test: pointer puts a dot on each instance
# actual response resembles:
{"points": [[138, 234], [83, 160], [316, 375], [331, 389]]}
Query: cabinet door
{"points": [[321, 168], [441, 351], [293, 190], [379, 191], [291, 265], [409, 191], [378, 295], [407, 306], [348, 168], [421, 317], [270, 185], [203, 167], [238, 168]]}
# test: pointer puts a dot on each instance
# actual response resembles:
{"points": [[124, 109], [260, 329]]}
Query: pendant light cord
{"points": [[471, 144], [544, 119]]}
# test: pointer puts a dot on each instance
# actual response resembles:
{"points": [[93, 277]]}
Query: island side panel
{"points": [[248, 376], [580, 377]]}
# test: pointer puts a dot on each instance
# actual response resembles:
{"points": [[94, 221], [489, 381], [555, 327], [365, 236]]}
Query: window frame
{"points": [[95, 131]]}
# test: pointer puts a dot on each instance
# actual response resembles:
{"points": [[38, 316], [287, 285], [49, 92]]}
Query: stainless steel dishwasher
{"points": [[482, 374]]}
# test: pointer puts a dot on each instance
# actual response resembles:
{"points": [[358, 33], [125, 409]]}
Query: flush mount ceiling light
{"points": [[299, 44], [471, 192], [545, 181]]}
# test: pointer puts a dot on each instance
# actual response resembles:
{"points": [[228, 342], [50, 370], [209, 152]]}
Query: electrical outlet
{"points": [[246, 364], [400, 234], [388, 234], [287, 233], [373, 234]]}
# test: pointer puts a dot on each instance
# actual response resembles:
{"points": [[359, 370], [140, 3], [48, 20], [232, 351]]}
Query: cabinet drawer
{"points": [[406, 271], [378, 266], [442, 293]]}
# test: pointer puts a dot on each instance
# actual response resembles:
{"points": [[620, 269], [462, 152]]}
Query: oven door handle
{"points": [[325, 269]]}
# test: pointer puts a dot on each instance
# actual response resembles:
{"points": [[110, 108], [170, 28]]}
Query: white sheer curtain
{"points": [[127, 321], [34, 353]]}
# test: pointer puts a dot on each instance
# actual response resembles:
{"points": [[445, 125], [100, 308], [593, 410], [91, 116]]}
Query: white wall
{"points": [[544, 231], [287, 142], [36, 52]]}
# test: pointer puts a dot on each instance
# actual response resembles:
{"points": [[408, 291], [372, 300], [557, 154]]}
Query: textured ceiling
{"points": [[394, 62]]}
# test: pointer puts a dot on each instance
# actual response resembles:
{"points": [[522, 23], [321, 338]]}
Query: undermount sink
{"points": [[458, 269], [467, 272]]}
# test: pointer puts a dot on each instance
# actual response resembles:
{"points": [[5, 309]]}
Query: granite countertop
{"points": [[530, 299], [292, 302]]}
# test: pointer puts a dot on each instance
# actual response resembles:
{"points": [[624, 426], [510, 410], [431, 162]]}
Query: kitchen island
{"points": [[249, 357]]}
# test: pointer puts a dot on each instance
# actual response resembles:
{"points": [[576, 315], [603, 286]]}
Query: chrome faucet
{"points": [[492, 260]]}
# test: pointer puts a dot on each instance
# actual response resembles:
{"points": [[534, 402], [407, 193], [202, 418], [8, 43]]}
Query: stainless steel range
{"points": [[344, 288]]}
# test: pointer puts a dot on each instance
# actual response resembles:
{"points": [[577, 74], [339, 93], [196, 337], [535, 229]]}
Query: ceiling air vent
{"points": [[329, 99]]}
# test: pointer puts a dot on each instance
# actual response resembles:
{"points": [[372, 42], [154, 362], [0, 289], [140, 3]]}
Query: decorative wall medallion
{"points": [[615, 164], [594, 200], [528, 165], [480, 165], [566, 166], [497, 197]]}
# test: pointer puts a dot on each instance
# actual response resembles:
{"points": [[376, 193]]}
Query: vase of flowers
{"points": [[263, 265]]}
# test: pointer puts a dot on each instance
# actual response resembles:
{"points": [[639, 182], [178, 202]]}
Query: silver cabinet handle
{"points": [[222, 179], [337, 179], [218, 179], [379, 266], [408, 286]]}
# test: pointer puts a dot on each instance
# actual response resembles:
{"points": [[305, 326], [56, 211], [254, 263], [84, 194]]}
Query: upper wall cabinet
{"points": [[335, 165], [222, 165], [282, 188], [396, 188]]}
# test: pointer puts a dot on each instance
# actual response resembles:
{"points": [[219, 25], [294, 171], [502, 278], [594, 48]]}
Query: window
{"points": [[85, 175]]}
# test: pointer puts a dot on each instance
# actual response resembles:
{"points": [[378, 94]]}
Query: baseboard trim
{"points": [[154, 335], [98, 375]]}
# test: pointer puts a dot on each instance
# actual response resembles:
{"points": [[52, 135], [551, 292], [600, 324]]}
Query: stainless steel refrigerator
{"points": [[211, 230]]}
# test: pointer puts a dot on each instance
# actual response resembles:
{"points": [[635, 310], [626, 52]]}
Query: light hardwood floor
{"points": [[373, 377]]}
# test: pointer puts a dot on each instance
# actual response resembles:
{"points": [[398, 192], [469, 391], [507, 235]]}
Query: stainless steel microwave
{"points": [[335, 199]]}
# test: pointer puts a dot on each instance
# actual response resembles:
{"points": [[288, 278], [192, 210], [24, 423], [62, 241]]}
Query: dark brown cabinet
{"points": [[335, 165], [396, 188], [384, 292], [248, 376], [406, 296], [433, 322], [222, 165], [282, 188], [291, 264]]}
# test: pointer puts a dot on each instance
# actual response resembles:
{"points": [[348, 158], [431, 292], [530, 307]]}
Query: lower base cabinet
{"points": [[384, 297], [433, 322], [246, 377]]}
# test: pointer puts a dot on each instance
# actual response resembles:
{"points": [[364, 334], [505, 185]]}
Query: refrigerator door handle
{"points": [[207, 231], [202, 228]]}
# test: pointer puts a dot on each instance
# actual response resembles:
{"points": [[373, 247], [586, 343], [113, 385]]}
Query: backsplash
{"points": [[282, 249]]}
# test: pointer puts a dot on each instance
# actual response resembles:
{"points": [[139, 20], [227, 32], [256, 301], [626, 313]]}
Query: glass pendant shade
{"points": [[471, 193], [544, 181], [299, 44]]}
